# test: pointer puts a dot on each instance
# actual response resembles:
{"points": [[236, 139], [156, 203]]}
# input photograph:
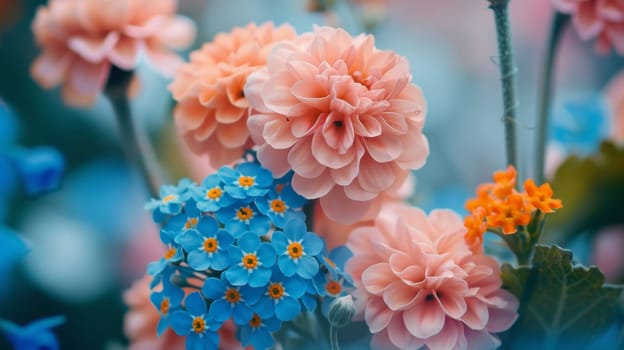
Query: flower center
{"points": [[164, 306], [199, 325], [244, 213], [255, 321], [190, 223], [338, 123], [333, 287], [211, 245], [276, 290], [214, 193], [295, 250], [250, 261], [278, 206], [246, 181], [169, 198], [170, 253], [232, 296]]}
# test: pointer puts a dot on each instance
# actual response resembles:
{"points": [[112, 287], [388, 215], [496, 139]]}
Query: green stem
{"points": [[546, 89], [333, 335], [137, 151], [508, 74]]}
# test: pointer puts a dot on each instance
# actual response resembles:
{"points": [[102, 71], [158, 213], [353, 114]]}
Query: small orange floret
{"points": [[475, 226], [505, 182], [483, 198], [541, 197], [508, 214]]}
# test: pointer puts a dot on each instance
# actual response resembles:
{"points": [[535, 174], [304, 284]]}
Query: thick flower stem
{"points": [[508, 73], [138, 153], [546, 91]]}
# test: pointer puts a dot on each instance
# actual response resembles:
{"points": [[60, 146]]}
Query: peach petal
{"points": [[189, 115], [378, 278], [424, 320], [477, 315], [51, 67], [339, 207], [178, 33], [93, 49], [233, 135], [125, 54], [586, 20], [276, 131], [327, 156], [162, 60], [311, 94], [399, 296], [302, 162], [377, 315], [312, 188], [450, 336]]}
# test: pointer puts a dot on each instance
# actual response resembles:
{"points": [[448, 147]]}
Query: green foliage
{"points": [[591, 190], [561, 305]]}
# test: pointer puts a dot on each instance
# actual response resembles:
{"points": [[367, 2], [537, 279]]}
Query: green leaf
{"points": [[561, 305], [591, 189]]}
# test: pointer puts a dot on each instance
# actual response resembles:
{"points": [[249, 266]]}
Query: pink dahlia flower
{"points": [[602, 19], [212, 109], [340, 113], [81, 39], [419, 284]]}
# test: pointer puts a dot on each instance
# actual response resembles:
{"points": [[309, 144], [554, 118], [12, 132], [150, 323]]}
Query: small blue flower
{"points": [[166, 301], [41, 169], [195, 324], [211, 195], [297, 248], [282, 206], [173, 254], [178, 225], [228, 300], [332, 281], [335, 261], [243, 218], [250, 261], [207, 246], [172, 198], [246, 180], [257, 332], [281, 297], [13, 249], [36, 335]]}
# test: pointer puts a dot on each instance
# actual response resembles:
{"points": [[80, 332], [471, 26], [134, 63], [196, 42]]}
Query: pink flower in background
{"points": [[81, 39], [615, 99], [212, 109], [342, 115], [141, 321], [602, 19], [419, 284]]}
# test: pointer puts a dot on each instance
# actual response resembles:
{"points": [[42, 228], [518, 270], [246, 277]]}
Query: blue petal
{"points": [[237, 276], [210, 341], [340, 255], [40, 168], [308, 267], [224, 238], [265, 308], [295, 287], [287, 265], [236, 254], [162, 326], [266, 254], [195, 304], [236, 227], [46, 323], [228, 175], [194, 342], [207, 226], [287, 309], [241, 314], [260, 277], [309, 301], [181, 322], [251, 295], [248, 242], [295, 229], [261, 339], [220, 261], [214, 288], [198, 260], [312, 244], [220, 310], [260, 224], [292, 198], [280, 242], [272, 324]]}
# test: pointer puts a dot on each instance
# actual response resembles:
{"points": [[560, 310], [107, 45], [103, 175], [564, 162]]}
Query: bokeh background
{"points": [[91, 239]]}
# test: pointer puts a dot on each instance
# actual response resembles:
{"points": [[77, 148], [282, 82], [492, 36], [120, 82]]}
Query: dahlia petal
{"points": [[190, 115], [276, 132], [226, 113], [304, 126], [366, 126], [476, 316], [424, 320], [376, 177], [399, 296], [418, 147], [481, 339], [399, 336], [274, 160], [381, 341], [87, 78], [311, 94], [502, 319], [384, 148], [312, 188], [125, 54], [253, 90], [178, 32], [449, 337], [327, 156], [378, 278], [586, 20], [146, 29], [93, 49], [377, 315], [338, 207], [277, 93], [206, 129], [302, 161], [51, 67], [233, 135], [355, 192], [162, 60], [393, 123], [615, 33]]}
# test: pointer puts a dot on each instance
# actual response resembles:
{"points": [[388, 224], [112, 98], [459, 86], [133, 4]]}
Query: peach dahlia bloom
{"points": [[81, 39], [602, 19], [342, 115], [212, 109], [418, 283]]}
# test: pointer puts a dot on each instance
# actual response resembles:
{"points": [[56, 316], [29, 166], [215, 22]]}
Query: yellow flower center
{"points": [[255, 321], [199, 324], [211, 245], [250, 261], [169, 198], [276, 290], [246, 181], [278, 206], [190, 223], [164, 306], [170, 253], [295, 250], [333, 287], [244, 213], [214, 193], [232, 296]]}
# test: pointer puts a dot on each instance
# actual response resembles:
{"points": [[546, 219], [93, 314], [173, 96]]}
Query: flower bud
{"points": [[341, 311]]}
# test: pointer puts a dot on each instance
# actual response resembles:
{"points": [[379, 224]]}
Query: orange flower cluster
{"points": [[499, 205]]}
